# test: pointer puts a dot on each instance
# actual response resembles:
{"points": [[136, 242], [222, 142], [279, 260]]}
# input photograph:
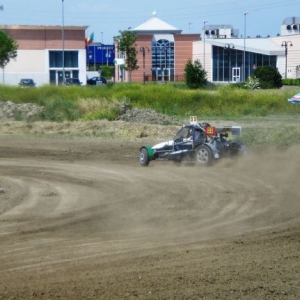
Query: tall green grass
{"points": [[282, 137], [65, 103]]}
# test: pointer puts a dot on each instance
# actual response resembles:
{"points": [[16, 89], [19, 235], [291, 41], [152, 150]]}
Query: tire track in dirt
{"points": [[101, 208], [83, 220]]}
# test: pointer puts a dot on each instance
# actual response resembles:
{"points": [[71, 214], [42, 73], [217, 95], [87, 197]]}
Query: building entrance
{"points": [[236, 74], [163, 58], [56, 76], [162, 74]]}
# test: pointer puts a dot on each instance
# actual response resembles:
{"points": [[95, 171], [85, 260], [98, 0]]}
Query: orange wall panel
{"points": [[40, 39]]}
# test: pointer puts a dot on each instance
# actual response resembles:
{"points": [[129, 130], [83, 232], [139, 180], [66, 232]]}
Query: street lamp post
{"points": [[102, 48], [204, 45], [143, 49], [63, 41], [244, 58], [285, 44], [228, 47]]}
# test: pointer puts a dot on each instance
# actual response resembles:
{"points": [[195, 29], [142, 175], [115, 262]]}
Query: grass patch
{"points": [[282, 137], [103, 102]]}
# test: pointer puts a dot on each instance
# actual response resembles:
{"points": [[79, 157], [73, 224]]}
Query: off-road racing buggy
{"points": [[196, 142]]}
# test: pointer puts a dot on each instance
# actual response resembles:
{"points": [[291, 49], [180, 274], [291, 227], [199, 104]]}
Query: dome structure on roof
{"points": [[156, 25]]}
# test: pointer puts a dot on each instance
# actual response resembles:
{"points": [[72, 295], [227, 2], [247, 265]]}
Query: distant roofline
{"points": [[151, 32], [42, 27], [224, 26]]}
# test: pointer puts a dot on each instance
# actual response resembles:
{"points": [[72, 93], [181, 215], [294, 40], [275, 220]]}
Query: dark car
{"points": [[96, 81], [27, 82], [73, 81]]}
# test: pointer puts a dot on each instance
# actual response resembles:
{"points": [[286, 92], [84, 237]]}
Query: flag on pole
{"points": [[89, 40]]}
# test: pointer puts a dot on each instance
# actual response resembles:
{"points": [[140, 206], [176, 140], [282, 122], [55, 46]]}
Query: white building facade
{"points": [[42, 51], [228, 58]]}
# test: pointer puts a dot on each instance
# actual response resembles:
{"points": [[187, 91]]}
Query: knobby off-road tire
{"points": [[203, 156], [144, 157], [237, 149]]}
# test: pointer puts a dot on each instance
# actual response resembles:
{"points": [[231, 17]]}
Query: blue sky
{"points": [[106, 18]]}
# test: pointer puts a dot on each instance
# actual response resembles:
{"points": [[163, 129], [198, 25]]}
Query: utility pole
{"points": [[285, 44], [244, 58], [204, 44], [1, 8], [63, 41]]}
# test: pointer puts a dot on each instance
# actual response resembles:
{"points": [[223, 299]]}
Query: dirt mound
{"points": [[26, 112], [12, 111], [146, 116]]}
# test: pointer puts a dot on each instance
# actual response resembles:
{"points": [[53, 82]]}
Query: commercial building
{"points": [[162, 53], [42, 51], [229, 58]]}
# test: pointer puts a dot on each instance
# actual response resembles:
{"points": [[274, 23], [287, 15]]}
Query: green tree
{"points": [[269, 77], [8, 48], [194, 74], [127, 45], [107, 71]]}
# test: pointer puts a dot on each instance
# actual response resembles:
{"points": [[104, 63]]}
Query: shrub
{"points": [[291, 81], [269, 77], [252, 83], [107, 71], [195, 75]]}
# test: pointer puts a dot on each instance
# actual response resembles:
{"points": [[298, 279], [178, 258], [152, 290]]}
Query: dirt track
{"points": [[83, 220]]}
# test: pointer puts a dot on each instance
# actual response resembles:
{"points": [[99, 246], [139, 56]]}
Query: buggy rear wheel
{"points": [[203, 155], [237, 149], [144, 157]]}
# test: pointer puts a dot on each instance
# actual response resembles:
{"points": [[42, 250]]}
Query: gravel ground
{"points": [[81, 219]]}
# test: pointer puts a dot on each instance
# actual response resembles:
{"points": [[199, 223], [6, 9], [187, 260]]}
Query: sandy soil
{"points": [[81, 219]]}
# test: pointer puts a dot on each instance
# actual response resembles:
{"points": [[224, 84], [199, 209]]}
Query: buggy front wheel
{"points": [[203, 156], [144, 157]]}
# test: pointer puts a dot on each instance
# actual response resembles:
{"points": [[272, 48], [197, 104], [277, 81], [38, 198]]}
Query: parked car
{"points": [[27, 82], [96, 81], [73, 81]]}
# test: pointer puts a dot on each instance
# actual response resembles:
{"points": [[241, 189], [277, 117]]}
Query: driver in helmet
{"points": [[189, 135]]}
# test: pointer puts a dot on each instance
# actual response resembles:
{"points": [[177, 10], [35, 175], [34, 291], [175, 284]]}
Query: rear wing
{"points": [[233, 130], [213, 131]]}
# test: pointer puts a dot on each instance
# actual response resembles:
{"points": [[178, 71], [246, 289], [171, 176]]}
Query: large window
{"points": [[226, 60], [70, 58], [162, 60]]}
